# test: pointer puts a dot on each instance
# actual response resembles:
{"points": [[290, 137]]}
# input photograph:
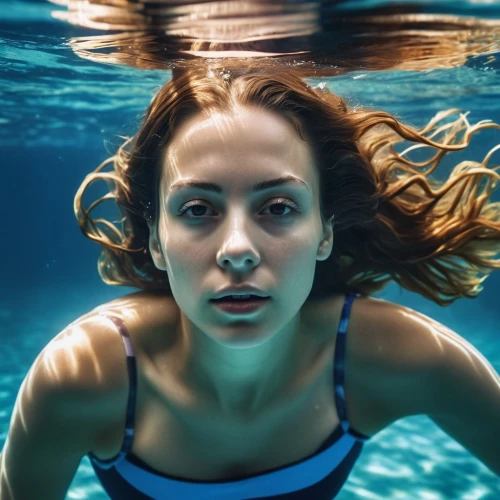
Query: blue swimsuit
{"points": [[319, 476]]}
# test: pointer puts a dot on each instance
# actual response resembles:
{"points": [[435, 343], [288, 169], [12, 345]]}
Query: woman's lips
{"points": [[240, 306]]}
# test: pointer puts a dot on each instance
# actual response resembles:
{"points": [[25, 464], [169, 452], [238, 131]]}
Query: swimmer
{"points": [[254, 361]]}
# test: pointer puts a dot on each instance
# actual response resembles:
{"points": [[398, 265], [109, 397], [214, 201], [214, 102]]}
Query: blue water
{"points": [[59, 118]]}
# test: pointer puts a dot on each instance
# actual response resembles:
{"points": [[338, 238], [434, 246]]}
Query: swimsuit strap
{"points": [[132, 379], [339, 366]]}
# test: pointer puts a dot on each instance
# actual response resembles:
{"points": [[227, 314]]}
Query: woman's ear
{"points": [[326, 246], [156, 250]]}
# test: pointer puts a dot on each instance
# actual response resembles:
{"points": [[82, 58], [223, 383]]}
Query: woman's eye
{"points": [[198, 209]]}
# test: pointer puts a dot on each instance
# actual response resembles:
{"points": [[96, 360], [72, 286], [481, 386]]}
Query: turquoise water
{"points": [[59, 116]]}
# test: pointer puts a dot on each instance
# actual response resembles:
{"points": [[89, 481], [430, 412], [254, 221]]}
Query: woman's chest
{"points": [[176, 438], [173, 436], [216, 448]]}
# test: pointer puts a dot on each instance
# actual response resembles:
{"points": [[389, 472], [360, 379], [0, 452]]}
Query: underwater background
{"points": [[61, 115]]}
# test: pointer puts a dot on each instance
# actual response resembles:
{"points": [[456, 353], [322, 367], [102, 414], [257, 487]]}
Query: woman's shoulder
{"points": [[90, 351], [86, 362], [379, 332], [84, 359], [392, 336], [393, 351], [76, 382]]}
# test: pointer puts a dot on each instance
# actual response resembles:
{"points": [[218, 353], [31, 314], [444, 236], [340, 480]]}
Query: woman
{"points": [[271, 397]]}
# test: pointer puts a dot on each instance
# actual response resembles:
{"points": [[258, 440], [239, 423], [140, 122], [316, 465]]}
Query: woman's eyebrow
{"points": [[260, 186]]}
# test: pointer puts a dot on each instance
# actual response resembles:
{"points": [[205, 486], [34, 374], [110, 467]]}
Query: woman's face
{"points": [[238, 235]]}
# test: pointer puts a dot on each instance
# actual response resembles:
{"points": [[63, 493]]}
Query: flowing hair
{"points": [[393, 221]]}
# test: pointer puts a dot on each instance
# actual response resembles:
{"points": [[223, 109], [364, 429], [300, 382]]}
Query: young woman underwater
{"points": [[174, 395]]}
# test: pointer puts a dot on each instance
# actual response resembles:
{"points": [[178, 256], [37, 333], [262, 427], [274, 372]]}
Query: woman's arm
{"points": [[431, 370], [464, 398], [55, 421]]}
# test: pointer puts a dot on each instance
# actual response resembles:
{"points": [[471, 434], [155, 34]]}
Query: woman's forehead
{"points": [[259, 123], [254, 139]]}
